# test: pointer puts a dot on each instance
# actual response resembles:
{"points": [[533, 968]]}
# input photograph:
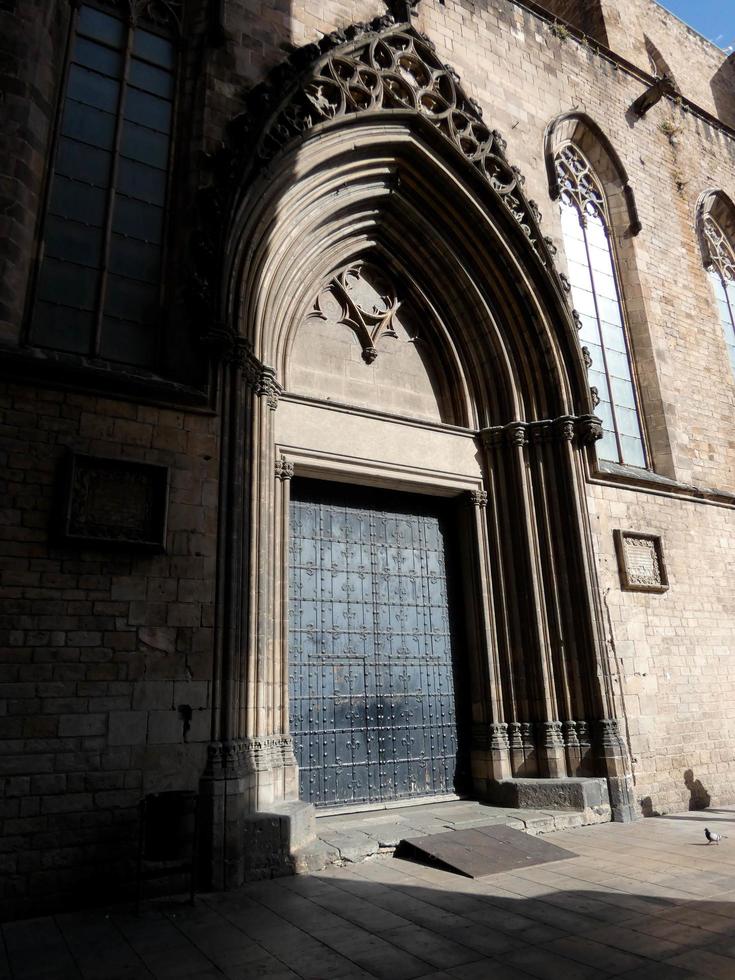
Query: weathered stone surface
{"points": [[572, 793]]}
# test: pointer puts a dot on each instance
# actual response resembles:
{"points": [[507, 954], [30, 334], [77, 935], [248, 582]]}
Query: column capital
{"points": [[284, 469]]}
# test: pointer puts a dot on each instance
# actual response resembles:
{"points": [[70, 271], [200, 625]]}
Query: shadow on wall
{"points": [[699, 798], [723, 91]]}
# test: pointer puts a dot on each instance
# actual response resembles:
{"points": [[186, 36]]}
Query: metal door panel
{"points": [[371, 673]]}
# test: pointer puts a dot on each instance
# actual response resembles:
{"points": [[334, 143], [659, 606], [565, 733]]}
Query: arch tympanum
{"points": [[367, 154]]}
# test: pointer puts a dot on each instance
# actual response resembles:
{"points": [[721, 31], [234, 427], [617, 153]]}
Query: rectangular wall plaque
{"points": [[640, 562], [115, 501]]}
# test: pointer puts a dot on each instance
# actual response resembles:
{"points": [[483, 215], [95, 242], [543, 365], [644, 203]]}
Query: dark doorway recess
{"points": [[375, 688]]}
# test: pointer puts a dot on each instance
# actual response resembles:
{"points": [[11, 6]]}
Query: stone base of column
{"points": [[613, 756], [552, 752], [490, 755], [251, 820]]}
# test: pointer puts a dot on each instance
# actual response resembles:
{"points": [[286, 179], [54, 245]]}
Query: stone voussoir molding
{"points": [[397, 68], [585, 429], [363, 68]]}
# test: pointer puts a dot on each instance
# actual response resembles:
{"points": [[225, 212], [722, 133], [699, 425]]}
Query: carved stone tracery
{"points": [[349, 289], [578, 185], [721, 255], [388, 67]]}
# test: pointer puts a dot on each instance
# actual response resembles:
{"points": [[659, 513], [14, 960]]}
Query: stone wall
{"points": [[673, 652], [99, 648]]}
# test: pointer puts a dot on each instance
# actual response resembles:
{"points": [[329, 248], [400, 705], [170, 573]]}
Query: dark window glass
{"points": [[144, 183], [596, 298], [137, 220], [102, 27], [144, 145], [72, 242], [102, 60], [153, 48], [99, 281], [88, 125]]}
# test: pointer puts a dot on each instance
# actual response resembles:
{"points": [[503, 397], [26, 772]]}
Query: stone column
{"points": [[490, 757], [253, 816]]}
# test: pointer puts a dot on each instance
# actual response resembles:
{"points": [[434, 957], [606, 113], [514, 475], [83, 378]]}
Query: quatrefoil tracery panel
{"points": [[362, 299]]}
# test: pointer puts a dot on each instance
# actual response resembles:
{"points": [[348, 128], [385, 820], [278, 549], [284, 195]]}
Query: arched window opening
{"points": [[596, 297], [722, 271], [98, 290]]}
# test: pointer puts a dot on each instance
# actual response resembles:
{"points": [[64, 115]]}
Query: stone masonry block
{"points": [[128, 727]]}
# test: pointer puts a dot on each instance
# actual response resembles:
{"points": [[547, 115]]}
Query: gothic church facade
{"points": [[368, 374]]}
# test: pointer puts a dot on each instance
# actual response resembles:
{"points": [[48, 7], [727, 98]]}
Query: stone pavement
{"points": [[644, 900]]}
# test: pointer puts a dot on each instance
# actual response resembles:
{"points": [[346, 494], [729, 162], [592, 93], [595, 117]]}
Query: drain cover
{"points": [[481, 851]]}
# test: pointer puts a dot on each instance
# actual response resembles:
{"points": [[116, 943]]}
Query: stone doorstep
{"points": [[358, 837]]}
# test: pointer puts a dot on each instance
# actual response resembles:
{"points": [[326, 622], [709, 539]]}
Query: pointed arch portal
{"points": [[387, 315]]}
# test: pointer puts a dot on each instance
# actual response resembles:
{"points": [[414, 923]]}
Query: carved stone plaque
{"points": [[115, 501], [640, 562]]}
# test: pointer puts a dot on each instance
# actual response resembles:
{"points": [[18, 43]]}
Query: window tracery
{"points": [[99, 280], [722, 271], [596, 297]]}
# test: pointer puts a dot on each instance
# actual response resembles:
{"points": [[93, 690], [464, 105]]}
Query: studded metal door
{"points": [[371, 675]]}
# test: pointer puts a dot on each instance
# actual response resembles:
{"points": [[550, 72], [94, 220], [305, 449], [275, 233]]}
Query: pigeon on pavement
{"points": [[713, 838]]}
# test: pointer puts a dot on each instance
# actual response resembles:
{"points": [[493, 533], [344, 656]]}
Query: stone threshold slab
{"points": [[354, 837]]}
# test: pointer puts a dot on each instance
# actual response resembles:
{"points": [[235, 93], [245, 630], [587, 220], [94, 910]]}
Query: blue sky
{"points": [[715, 19]]}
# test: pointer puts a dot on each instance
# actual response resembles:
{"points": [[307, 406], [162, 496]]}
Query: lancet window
{"points": [[596, 297], [722, 272], [98, 288]]}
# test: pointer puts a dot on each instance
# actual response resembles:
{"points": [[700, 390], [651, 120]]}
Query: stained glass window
{"points": [[98, 287], [722, 272], [596, 297]]}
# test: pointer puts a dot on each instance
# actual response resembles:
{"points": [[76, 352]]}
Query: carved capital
{"points": [[589, 429], [265, 385], [516, 433], [550, 734], [499, 736], [583, 734], [569, 729], [527, 738], [563, 428], [284, 469], [608, 730], [514, 735], [477, 498], [493, 437]]}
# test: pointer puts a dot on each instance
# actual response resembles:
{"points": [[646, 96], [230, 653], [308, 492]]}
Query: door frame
{"points": [[472, 568]]}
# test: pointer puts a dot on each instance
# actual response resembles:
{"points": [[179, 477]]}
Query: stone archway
{"points": [[374, 154]]}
